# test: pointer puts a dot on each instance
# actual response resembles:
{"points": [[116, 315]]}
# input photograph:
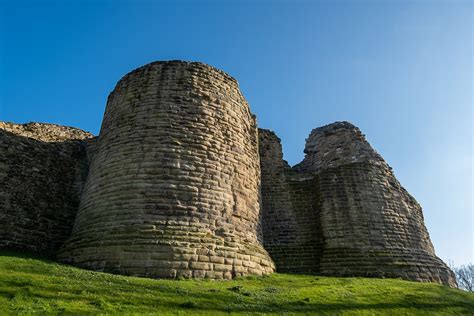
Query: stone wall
{"points": [[42, 171], [290, 218], [372, 227], [364, 222], [173, 188], [47, 133], [181, 184]]}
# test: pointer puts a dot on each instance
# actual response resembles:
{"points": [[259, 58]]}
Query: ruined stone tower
{"points": [[342, 212], [180, 183], [173, 187]]}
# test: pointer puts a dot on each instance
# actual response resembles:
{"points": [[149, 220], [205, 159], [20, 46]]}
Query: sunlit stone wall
{"points": [[173, 188]]}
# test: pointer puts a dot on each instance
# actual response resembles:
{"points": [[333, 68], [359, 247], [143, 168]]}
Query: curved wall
{"points": [[173, 188], [373, 227], [361, 221]]}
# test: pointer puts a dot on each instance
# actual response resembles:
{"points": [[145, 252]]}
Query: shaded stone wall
{"points": [[365, 222], [289, 215], [43, 168], [173, 188]]}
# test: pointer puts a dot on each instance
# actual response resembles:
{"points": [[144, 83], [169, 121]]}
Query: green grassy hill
{"points": [[30, 284]]}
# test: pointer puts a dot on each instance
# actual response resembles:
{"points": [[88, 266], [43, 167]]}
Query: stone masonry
{"points": [[174, 183], [180, 183], [43, 168], [341, 211], [291, 224]]}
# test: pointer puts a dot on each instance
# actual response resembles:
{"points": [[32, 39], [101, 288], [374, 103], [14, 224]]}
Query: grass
{"points": [[30, 284]]}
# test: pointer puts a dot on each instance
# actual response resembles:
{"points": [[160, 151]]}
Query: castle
{"points": [[181, 183]]}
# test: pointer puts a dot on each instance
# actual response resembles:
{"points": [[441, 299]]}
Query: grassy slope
{"points": [[29, 284]]}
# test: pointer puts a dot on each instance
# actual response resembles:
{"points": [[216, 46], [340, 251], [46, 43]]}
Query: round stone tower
{"points": [[173, 187], [342, 212], [370, 225]]}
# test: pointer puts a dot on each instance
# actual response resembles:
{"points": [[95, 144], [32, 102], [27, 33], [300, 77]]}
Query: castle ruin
{"points": [[180, 182]]}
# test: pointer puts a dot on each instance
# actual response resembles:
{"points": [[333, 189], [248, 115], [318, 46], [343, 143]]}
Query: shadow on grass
{"points": [[107, 292], [28, 255], [195, 302]]}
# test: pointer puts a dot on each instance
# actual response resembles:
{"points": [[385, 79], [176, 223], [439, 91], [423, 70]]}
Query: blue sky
{"points": [[400, 70]]}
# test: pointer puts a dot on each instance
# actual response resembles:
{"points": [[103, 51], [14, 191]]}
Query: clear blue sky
{"points": [[400, 70]]}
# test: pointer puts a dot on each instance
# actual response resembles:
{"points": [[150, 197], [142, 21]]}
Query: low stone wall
{"points": [[43, 168]]}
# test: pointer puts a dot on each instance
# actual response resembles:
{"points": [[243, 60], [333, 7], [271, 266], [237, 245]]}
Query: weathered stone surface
{"points": [[347, 214], [291, 226], [45, 132], [43, 168], [173, 188]]}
